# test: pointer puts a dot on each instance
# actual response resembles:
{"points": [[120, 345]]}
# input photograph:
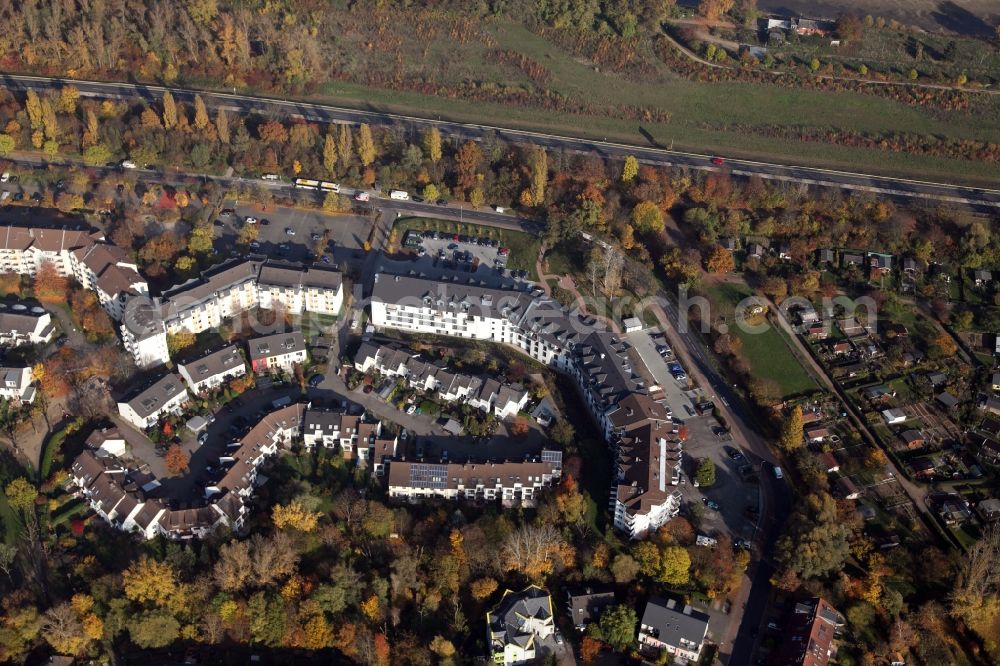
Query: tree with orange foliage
{"points": [[570, 501], [714, 9], [50, 285], [589, 649], [720, 261], [381, 644], [482, 588], [176, 460], [468, 161], [520, 427], [10, 283]]}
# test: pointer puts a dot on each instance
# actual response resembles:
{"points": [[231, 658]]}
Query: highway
{"points": [[981, 199]]}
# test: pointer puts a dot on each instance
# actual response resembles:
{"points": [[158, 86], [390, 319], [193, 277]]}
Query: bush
{"points": [[705, 476]]}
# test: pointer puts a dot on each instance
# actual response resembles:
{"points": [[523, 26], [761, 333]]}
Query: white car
{"points": [[778, 474], [411, 409], [5, 177], [128, 164], [250, 220], [289, 231], [361, 196], [269, 176], [5, 195]]}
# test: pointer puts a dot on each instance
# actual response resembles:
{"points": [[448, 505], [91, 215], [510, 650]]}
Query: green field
{"points": [[769, 354], [523, 246], [707, 117]]}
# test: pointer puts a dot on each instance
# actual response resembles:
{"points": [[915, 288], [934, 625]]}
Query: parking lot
{"points": [[348, 233], [465, 252]]}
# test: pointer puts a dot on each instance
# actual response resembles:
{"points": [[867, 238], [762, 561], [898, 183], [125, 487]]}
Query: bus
{"points": [[306, 184], [329, 187]]}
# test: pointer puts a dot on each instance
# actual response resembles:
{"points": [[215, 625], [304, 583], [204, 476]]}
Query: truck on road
{"points": [[400, 195]]}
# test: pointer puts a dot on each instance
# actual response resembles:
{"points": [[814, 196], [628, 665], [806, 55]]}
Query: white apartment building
{"points": [[280, 351], [144, 334], [212, 370], [23, 249], [16, 385], [648, 451], [24, 323], [107, 270], [166, 396], [300, 289]]}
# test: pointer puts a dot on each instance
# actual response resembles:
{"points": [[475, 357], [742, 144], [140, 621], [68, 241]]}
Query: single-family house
{"points": [[678, 629], [16, 385], [830, 462], [913, 438], [923, 468], [815, 434], [954, 510], [587, 603], [879, 264], [850, 259], [517, 623], [108, 442], [844, 488], [989, 452], [982, 277], [825, 256], [947, 400]]}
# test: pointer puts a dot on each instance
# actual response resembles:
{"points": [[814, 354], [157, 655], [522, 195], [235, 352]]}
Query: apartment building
{"points": [[280, 351], [16, 385], [512, 483], [300, 289], [23, 249], [603, 366], [108, 271], [358, 437], [166, 396], [213, 370], [24, 323], [144, 334], [677, 629]]}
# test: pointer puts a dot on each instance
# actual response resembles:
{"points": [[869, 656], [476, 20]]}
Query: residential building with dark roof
{"points": [[280, 351], [212, 370], [669, 625], [587, 603], [165, 396], [516, 625], [24, 323]]}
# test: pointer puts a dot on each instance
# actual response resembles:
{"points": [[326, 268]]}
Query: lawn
{"points": [[768, 353], [523, 246], [708, 117]]}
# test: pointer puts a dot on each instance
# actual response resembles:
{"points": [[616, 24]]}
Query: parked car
{"points": [[316, 380], [203, 438], [411, 409], [250, 220], [289, 231]]}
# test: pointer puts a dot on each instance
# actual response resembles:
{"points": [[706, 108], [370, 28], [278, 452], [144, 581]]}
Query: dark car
{"points": [[228, 211], [120, 188], [316, 380], [417, 199], [441, 202], [265, 221], [37, 196], [18, 196]]}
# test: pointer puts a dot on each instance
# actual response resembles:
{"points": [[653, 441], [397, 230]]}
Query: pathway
{"points": [[566, 283]]}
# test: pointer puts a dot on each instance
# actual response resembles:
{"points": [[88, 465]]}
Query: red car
{"points": [[718, 161]]}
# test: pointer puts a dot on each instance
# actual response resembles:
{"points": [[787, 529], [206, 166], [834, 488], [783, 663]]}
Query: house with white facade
{"points": [[280, 351], [108, 271], [23, 249], [16, 385], [24, 323], [166, 396], [144, 334], [213, 370], [516, 625]]}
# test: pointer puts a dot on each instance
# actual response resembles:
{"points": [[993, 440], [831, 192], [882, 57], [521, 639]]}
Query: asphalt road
{"points": [[978, 198]]}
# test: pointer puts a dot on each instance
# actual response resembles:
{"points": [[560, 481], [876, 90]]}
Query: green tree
{"points": [[201, 238], [169, 110], [705, 475], [200, 114], [50, 148], [96, 155], [647, 218], [814, 65], [816, 542], [630, 169], [431, 192], [791, 431], [617, 625], [562, 433], [675, 566], [156, 629], [477, 197], [366, 145], [330, 155], [7, 144], [432, 144]]}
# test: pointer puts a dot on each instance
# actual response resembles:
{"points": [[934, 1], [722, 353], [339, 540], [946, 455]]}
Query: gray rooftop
{"points": [[671, 622]]}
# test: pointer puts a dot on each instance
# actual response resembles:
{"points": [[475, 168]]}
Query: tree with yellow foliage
{"points": [[148, 581], [294, 516], [483, 588], [366, 145], [370, 607]]}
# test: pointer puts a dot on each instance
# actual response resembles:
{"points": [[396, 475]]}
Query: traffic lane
{"points": [[897, 186]]}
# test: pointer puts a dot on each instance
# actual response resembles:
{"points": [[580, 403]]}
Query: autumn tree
{"points": [[222, 126], [791, 431], [720, 261], [590, 648], [630, 169], [815, 542], [176, 460], [366, 145], [647, 218], [531, 550], [50, 284], [169, 110], [330, 154], [432, 144], [468, 161], [50, 121], [624, 568], [21, 495], [714, 9], [570, 502], [344, 146], [149, 581], [201, 120], [538, 177], [33, 106], [520, 427], [295, 516], [63, 630], [92, 129], [483, 588]]}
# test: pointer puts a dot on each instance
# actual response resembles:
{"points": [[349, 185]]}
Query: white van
{"points": [[128, 164], [498, 209], [400, 195], [269, 176]]}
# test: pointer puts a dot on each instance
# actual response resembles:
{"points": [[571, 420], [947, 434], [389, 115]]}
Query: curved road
{"points": [[899, 188]]}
